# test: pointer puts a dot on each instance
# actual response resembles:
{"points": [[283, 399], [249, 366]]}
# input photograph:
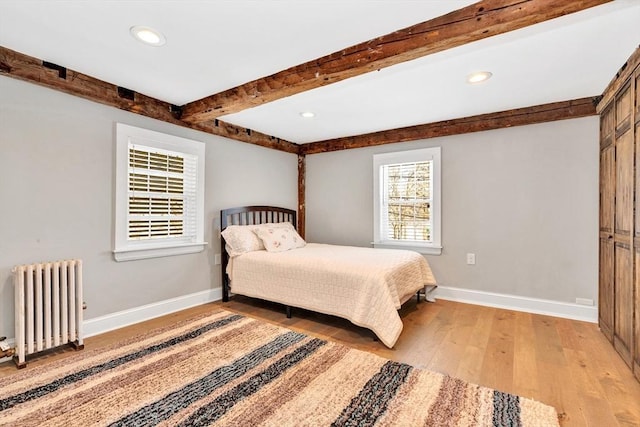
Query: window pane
{"points": [[156, 194], [407, 199]]}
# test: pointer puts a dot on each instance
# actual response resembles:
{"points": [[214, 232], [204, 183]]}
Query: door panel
{"points": [[624, 108], [623, 287], [624, 302], [624, 163], [636, 283], [606, 305], [606, 293]]}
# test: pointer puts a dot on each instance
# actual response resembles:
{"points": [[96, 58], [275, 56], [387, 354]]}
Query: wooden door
{"points": [[636, 119], [607, 209], [623, 324]]}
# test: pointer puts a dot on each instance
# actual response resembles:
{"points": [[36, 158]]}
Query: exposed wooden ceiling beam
{"points": [[522, 116], [33, 70], [27, 68], [475, 22]]}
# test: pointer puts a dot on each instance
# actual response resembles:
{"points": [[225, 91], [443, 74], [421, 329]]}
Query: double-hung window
{"points": [[407, 200], [159, 194]]}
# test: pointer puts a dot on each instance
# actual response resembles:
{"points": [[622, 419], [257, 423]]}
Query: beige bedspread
{"points": [[366, 286]]}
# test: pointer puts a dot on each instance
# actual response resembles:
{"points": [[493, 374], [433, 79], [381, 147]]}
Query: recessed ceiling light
{"points": [[479, 77], [148, 35], [307, 114]]}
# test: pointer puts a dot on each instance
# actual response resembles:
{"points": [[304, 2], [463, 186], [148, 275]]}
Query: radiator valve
{"points": [[5, 348]]}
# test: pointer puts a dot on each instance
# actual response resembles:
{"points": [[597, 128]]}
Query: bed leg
{"points": [[225, 288], [288, 309], [429, 293], [418, 297]]}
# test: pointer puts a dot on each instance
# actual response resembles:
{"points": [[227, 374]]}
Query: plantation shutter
{"points": [[407, 201], [161, 194]]}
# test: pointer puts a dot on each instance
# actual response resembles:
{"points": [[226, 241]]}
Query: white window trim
{"points": [[424, 154], [125, 249]]}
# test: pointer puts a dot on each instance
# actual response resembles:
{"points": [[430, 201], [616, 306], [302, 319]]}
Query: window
{"points": [[407, 200], [159, 194]]}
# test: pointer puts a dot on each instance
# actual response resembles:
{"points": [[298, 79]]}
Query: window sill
{"points": [[426, 250], [130, 254]]}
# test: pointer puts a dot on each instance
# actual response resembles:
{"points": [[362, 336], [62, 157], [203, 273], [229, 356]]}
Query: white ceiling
{"points": [[219, 44]]}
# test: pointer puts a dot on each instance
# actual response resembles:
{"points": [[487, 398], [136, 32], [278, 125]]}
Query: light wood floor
{"points": [[563, 363]]}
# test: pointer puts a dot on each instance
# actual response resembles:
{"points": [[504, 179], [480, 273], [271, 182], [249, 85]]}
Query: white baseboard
{"points": [[109, 322], [120, 319], [518, 303]]}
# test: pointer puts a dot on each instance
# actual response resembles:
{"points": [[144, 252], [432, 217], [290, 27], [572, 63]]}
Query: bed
{"points": [[363, 285]]}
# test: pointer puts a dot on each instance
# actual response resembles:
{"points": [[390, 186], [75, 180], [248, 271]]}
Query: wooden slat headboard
{"points": [[248, 215]]}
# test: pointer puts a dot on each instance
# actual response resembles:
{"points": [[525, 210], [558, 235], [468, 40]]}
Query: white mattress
{"points": [[366, 286]]}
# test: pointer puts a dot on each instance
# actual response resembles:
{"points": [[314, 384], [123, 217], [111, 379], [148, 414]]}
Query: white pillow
{"points": [[241, 239], [279, 239], [285, 224]]}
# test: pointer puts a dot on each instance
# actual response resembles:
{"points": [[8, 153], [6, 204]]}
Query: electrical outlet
{"points": [[471, 259], [217, 259]]}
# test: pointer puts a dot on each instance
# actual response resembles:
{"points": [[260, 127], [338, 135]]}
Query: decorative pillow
{"points": [[279, 239], [241, 239]]}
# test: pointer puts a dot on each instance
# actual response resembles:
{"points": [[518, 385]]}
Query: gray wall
{"points": [[523, 199], [57, 196]]}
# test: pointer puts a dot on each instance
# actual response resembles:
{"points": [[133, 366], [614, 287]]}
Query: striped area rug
{"points": [[230, 370]]}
